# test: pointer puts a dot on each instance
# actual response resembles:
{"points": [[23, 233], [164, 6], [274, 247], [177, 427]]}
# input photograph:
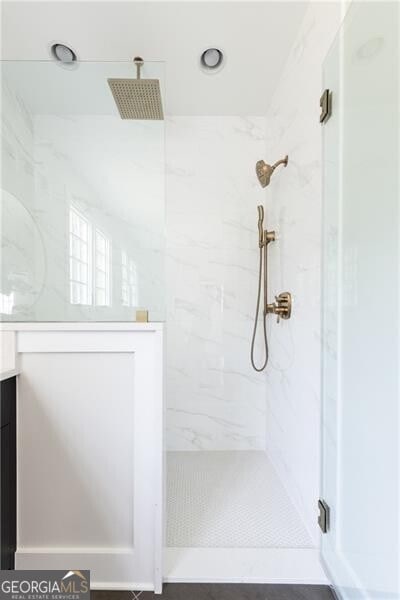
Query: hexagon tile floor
{"points": [[229, 500]]}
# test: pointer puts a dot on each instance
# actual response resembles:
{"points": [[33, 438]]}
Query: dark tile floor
{"points": [[214, 591]]}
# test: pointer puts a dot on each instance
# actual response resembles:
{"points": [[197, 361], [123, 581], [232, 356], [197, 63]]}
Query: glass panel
{"points": [[81, 188], [360, 479]]}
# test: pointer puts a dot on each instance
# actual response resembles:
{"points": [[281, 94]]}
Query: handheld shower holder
{"points": [[266, 238]]}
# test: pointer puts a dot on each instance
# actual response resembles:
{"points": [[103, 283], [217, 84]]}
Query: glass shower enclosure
{"points": [[82, 196], [360, 378]]}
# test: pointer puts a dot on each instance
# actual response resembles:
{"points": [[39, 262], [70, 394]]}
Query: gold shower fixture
{"points": [[138, 98], [282, 307], [264, 171]]}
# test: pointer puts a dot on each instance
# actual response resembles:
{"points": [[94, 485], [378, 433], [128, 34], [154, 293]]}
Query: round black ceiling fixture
{"points": [[63, 54], [211, 59]]}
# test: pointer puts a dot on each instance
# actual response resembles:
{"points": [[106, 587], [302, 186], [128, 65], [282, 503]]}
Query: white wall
{"points": [[215, 400], [294, 210]]}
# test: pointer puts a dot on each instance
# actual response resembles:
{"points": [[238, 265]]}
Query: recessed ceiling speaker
{"points": [[63, 55], [211, 59]]}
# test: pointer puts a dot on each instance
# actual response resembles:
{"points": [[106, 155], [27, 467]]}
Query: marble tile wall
{"points": [[215, 400], [21, 255], [293, 206], [52, 162], [124, 201]]}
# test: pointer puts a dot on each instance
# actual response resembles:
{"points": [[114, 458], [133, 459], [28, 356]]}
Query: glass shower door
{"points": [[360, 317], [82, 199]]}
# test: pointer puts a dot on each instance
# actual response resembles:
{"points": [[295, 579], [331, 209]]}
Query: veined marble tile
{"points": [[54, 162], [215, 399]]}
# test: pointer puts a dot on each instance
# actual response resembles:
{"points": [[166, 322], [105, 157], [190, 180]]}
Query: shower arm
{"points": [[282, 161], [139, 62]]}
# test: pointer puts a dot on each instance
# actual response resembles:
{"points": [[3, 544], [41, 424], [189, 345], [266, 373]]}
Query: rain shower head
{"points": [[264, 171], [137, 98]]}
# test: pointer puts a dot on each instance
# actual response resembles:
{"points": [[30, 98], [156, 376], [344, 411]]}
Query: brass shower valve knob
{"points": [[282, 307]]}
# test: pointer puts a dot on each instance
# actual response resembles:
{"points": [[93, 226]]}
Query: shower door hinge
{"points": [[325, 103], [324, 514]]}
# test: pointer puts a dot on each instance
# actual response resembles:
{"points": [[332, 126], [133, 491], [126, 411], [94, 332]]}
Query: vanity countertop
{"points": [[8, 374], [10, 330]]}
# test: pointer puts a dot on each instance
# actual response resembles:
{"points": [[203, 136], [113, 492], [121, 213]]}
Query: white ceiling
{"points": [[256, 38]]}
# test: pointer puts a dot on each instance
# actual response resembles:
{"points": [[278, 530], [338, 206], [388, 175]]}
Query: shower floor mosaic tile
{"points": [[229, 499]]}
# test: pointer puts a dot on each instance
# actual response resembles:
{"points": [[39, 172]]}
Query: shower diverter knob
{"points": [[282, 307]]}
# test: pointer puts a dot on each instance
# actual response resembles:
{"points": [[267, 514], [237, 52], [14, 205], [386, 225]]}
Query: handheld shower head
{"points": [[264, 171], [260, 209]]}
